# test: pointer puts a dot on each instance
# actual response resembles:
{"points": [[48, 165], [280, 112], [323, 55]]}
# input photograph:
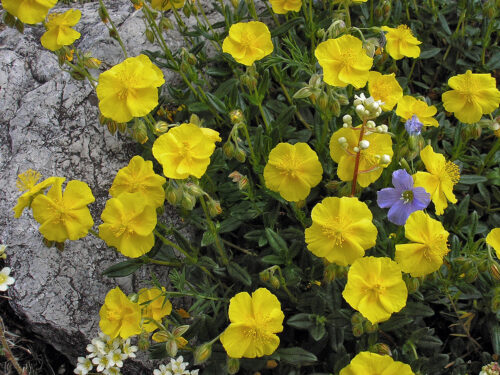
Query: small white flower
{"points": [[101, 363], [5, 279], [129, 350], [84, 366], [347, 119], [194, 372], [116, 357], [96, 348], [163, 370], [112, 371]]}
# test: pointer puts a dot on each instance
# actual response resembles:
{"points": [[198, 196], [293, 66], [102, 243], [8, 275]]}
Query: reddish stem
{"points": [[356, 164]]}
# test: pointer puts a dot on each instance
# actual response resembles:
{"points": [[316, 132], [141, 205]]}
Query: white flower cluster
{"points": [[491, 369], [367, 108], [175, 367], [5, 278], [107, 354]]}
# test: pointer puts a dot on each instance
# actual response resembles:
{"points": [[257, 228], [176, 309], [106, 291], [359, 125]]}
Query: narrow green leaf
{"points": [[124, 268]]}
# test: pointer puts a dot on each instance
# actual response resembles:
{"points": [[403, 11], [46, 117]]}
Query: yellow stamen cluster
{"points": [[26, 181]]}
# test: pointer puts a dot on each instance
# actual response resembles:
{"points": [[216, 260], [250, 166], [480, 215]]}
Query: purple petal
{"points": [[387, 197], [402, 180], [421, 198], [398, 214]]}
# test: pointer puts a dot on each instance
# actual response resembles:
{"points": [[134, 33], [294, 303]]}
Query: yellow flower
{"points": [[129, 89], [441, 179], [292, 170], [401, 42], [493, 239], [284, 6], [254, 322], [27, 182], [154, 307], [429, 245], [375, 364], [185, 150], [167, 4], [64, 216], [409, 106], [119, 316], [341, 230], [59, 32], [473, 96], [344, 61], [385, 88], [138, 176], [128, 224], [28, 11], [375, 288], [371, 159], [248, 42]]}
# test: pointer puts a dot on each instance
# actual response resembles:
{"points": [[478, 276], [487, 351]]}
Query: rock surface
{"points": [[49, 123]]}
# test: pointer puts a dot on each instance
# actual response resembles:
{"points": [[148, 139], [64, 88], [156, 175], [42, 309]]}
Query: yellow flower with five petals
{"points": [[425, 254], [385, 87], [344, 61], [442, 175], [493, 239], [185, 150], [129, 89], [64, 215], [472, 96], [248, 42], [292, 170], [401, 42], [255, 320], [28, 11], [59, 32], [119, 315], [375, 288], [341, 230], [154, 307], [409, 106]]}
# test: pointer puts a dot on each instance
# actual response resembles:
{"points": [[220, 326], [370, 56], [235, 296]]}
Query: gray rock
{"points": [[49, 123]]}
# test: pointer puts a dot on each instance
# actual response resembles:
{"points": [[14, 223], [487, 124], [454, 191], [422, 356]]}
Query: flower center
{"points": [[113, 315], [27, 180], [123, 94], [407, 196], [348, 58], [336, 230], [256, 335], [3, 278], [453, 172]]}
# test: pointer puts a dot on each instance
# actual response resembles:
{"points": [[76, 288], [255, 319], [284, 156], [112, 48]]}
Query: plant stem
{"points": [[356, 164], [113, 27], [489, 156], [213, 230], [161, 262], [175, 246], [247, 136], [7, 352]]}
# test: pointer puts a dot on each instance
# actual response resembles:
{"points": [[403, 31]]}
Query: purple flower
{"points": [[403, 199], [413, 126]]}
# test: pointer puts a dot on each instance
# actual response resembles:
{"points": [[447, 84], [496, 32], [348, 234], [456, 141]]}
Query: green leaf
{"points": [[277, 243], [444, 23], [239, 273], [295, 356], [198, 107], [123, 269], [471, 179], [427, 54], [317, 331], [216, 102], [207, 239], [301, 321], [418, 309], [396, 322], [272, 259]]}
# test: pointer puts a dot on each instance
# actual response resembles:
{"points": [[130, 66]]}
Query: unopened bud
{"points": [[228, 149], [355, 149], [357, 330], [495, 272], [357, 318], [243, 183], [19, 26], [59, 246], [194, 189], [122, 127], [412, 283], [369, 327], [166, 24], [323, 101], [236, 116], [187, 11], [214, 208], [382, 349], [173, 195], [92, 63], [233, 366], [271, 363], [171, 348], [77, 75], [140, 132], [112, 127], [275, 282], [160, 127], [385, 159], [240, 155], [264, 276], [150, 36], [103, 14], [347, 119], [113, 34], [334, 107], [188, 202], [364, 144], [202, 353]]}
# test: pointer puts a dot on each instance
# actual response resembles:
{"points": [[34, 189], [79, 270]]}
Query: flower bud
{"points": [[370, 124], [342, 140], [214, 207], [471, 131], [112, 127], [233, 366], [202, 353], [228, 149], [495, 272], [76, 75], [364, 144], [357, 330], [188, 202], [187, 11], [243, 183], [173, 195], [303, 93], [140, 132], [150, 36], [9, 19], [323, 101], [355, 149], [166, 24], [412, 283], [385, 159], [113, 34], [236, 116], [271, 363], [160, 127], [92, 63], [194, 189], [264, 276], [275, 282], [380, 348], [347, 119], [171, 348], [343, 99], [357, 318], [143, 341], [369, 327], [334, 107], [240, 155], [122, 127], [103, 14]]}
